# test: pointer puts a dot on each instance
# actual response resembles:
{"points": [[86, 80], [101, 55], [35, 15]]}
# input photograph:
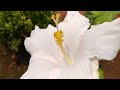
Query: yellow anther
{"points": [[57, 16], [61, 32], [53, 16], [59, 37]]}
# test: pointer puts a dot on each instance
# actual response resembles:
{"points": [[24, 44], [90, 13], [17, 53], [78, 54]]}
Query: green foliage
{"points": [[15, 26], [100, 70], [98, 17], [40, 18]]}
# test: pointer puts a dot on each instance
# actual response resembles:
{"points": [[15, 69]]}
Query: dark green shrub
{"points": [[40, 18], [15, 26]]}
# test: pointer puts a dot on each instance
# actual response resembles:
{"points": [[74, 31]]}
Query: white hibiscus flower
{"points": [[85, 47]]}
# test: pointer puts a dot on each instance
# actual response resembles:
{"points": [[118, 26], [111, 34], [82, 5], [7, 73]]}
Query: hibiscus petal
{"points": [[42, 66], [73, 27], [82, 69], [43, 40], [101, 41]]}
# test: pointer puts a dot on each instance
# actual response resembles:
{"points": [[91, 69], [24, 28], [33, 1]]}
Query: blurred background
{"points": [[15, 26]]}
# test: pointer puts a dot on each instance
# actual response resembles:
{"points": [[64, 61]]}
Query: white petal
{"points": [[42, 66], [82, 69], [43, 40], [102, 41], [73, 26]]}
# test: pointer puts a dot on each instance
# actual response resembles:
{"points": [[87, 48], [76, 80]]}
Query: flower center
{"points": [[59, 39]]}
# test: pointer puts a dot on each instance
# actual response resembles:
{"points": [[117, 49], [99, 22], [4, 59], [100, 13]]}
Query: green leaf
{"points": [[98, 17], [100, 70]]}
